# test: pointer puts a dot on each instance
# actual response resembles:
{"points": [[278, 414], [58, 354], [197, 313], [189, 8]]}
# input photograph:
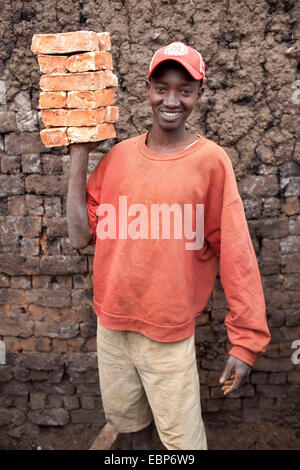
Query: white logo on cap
{"points": [[176, 48]]}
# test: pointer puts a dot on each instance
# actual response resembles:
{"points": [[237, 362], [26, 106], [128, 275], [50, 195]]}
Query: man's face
{"points": [[173, 93]]}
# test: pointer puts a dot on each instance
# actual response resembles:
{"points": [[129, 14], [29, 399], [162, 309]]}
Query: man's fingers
{"points": [[226, 390], [93, 145], [85, 146], [229, 388], [228, 382], [236, 383], [226, 372]]}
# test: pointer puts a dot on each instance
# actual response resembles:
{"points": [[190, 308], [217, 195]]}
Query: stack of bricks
{"points": [[77, 88]]}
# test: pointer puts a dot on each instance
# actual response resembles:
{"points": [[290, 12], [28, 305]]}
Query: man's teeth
{"points": [[170, 114]]}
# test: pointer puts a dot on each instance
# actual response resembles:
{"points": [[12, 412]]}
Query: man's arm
{"points": [[77, 217], [246, 321]]}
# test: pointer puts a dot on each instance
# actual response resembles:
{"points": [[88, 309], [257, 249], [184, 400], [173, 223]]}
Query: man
{"points": [[150, 286]]}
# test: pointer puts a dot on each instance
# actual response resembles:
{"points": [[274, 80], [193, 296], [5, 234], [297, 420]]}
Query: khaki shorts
{"points": [[142, 380]]}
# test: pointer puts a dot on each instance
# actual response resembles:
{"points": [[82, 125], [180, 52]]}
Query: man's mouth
{"points": [[170, 115]]}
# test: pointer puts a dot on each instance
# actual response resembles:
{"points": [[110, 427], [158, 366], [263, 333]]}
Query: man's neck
{"points": [[168, 141], [165, 138]]}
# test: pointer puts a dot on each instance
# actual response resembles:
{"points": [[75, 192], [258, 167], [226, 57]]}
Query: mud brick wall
{"points": [[250, 107]]}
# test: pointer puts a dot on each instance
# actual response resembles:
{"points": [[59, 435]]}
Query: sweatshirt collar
{"points": [[168, 156]]}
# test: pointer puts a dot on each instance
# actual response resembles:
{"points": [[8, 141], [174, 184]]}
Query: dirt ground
{"points": [[242, 436]]}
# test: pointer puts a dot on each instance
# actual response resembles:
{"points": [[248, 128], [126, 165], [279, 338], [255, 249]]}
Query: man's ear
{"points": [[148, 84], [200, 93]]}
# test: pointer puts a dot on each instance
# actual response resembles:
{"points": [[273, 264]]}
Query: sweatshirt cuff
{"points": [[243, 354]]}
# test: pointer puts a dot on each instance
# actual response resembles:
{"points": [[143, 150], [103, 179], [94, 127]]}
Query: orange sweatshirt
{"points": [[154, 284]]}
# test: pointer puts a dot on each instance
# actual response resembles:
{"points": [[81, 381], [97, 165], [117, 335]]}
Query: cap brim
{"points": [[196, 75]]}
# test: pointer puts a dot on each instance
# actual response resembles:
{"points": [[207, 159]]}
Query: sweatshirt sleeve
{"points": [[246, 322], [93, 194], [92, 205]]}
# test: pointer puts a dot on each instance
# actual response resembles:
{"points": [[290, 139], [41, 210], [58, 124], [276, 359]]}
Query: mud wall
{"points": [[250, 107]]}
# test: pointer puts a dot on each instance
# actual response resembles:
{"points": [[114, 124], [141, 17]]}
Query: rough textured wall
{"points": [[251, 50]]}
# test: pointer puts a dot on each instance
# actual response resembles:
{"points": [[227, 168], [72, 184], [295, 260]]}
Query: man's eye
{"points": [[160, 89], [186, 92]]}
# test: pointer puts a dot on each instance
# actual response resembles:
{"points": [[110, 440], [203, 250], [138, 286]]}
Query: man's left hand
{"points": [[231, 380]]}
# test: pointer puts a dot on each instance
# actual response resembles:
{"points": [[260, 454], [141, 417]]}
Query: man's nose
{"points": [[171, 99]]}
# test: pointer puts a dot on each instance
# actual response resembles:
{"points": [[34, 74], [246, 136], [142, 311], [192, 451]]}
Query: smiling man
{"points": [[173, 94], [150, 291]]}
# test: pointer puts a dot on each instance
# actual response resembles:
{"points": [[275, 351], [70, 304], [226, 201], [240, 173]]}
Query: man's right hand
{"points": [[84, 146]]}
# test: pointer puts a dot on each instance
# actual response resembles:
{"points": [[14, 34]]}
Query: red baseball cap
{"points": [[188, 57]]}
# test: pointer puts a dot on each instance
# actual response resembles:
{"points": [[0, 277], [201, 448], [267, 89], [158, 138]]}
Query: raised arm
{"points": [[77, 217]]}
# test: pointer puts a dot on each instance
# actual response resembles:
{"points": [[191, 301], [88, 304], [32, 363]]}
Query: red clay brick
{"points": [[90, 99], [52, 63], [91, 134], [104, 41], [111, 114], [73, 117], [78, 41], [89, 61], [53, 99], [55, 137], [84, 81]]}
